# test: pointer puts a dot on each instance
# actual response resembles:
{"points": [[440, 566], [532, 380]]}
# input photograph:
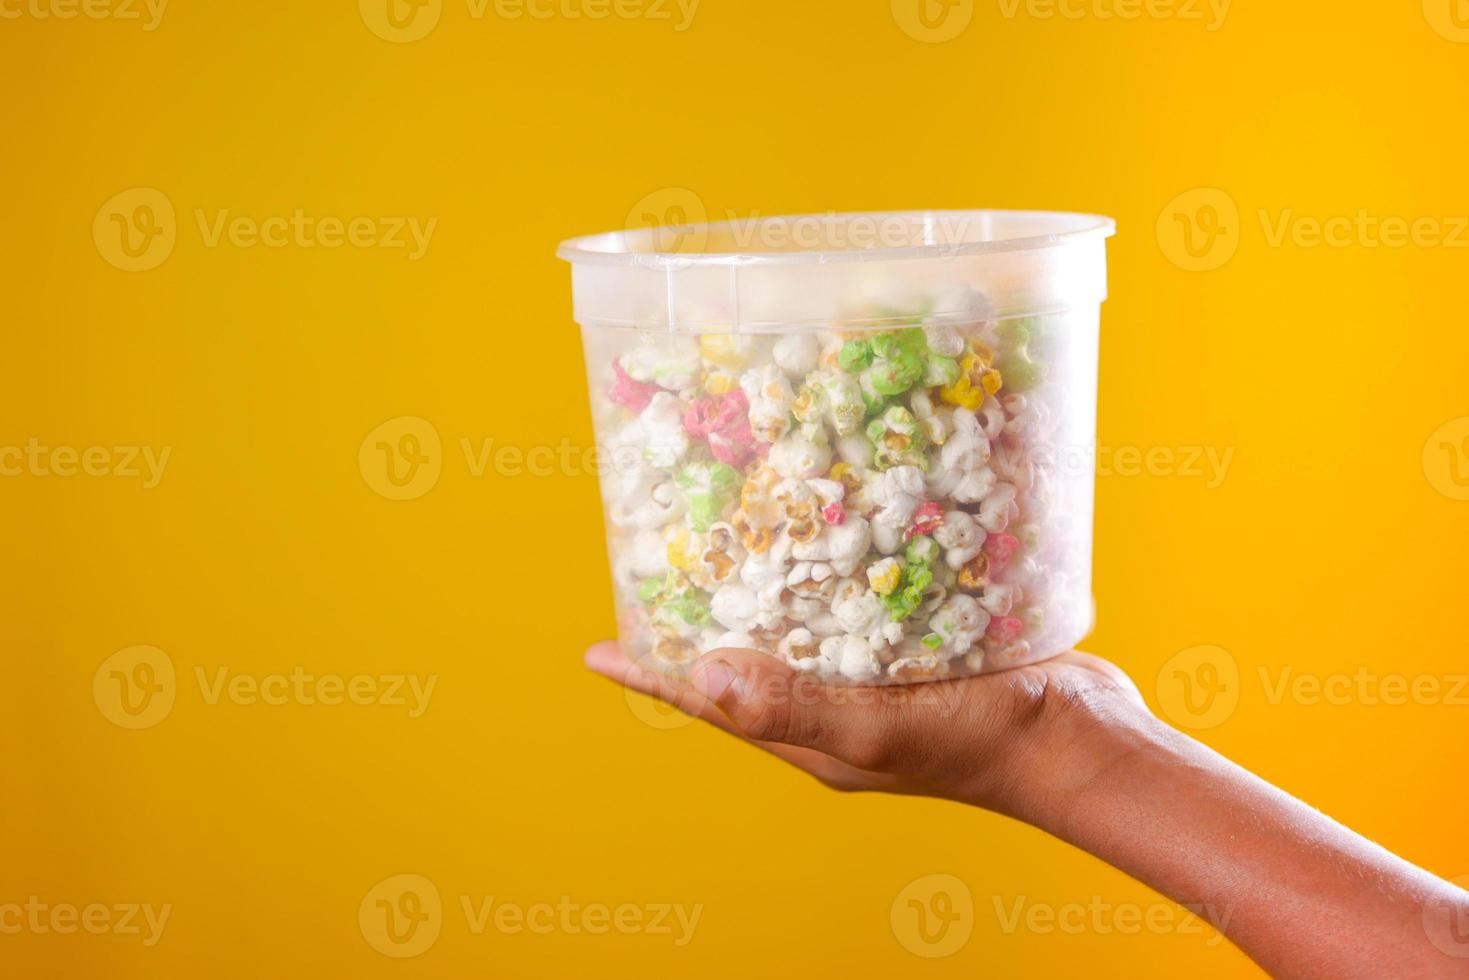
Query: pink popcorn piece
{"points": [[1004, 630], [629, 393], [724, 423], [999, 549], [925, 521], [834, 514]]}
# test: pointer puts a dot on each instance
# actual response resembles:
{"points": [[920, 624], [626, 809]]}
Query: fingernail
{"points": [[715, 679]]}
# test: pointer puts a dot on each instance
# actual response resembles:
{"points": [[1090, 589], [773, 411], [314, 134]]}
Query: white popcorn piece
{"points": [[841, 546], [796, 354], [646, 557], [731, 640], [995, 512], [735, 607], [857, 608], [670, 362], [998, 599], [960, 537], [802, 455], [856, 450], [770, 396], [801, 649], [960, 622], [943, 339], [658, 432], [898, 493], [850, 656]]}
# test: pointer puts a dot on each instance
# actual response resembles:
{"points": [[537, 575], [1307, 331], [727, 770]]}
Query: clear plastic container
{"points": [[861, 443]]}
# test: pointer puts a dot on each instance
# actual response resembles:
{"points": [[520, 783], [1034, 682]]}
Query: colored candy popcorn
{"points": [[846, 503], [862, 465]]}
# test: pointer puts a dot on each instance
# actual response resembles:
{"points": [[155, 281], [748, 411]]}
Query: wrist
{"points": [[1071, 745]]}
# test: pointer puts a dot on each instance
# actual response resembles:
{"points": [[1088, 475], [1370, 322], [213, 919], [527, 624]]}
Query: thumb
{"points": [[769, 702]]}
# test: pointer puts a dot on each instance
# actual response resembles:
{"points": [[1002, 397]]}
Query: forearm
{"points": [[1302, 895]]}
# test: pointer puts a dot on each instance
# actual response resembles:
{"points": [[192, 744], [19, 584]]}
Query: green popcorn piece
{"points": [[940, 370], [908, 596], [899, 361], [649, 589], [922, 550], [855, 355], [898, 439], [933, 641], [690, 606], [709, 488], [844, 402], [1015, 362]]}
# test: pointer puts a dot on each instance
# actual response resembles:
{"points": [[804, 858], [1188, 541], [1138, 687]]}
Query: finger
{"points": [[608, 660], [769, 702]]}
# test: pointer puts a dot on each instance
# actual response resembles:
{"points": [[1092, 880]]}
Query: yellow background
{"points": [[264, 547]]}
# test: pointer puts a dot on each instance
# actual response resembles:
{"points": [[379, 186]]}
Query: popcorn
{"points": [[709, 490], [870, 509], [770, 398], [658, 432], [800, 649], [961, 538], [669, 361], [994, 513], [840, 546], [959, 623], [897, 440], [884, 576], [724, 424], [796, 354], [850, 656], [628, 392], [803, 454]]}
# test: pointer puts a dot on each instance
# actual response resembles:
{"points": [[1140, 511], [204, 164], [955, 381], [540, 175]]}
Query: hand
{"points": [[985, 740]]}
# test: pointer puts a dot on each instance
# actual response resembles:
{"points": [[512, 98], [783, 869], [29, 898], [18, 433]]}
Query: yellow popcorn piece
{"points": [[991, 381], [720, 382], [726, 350], [682, 551], [884, 576]]}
